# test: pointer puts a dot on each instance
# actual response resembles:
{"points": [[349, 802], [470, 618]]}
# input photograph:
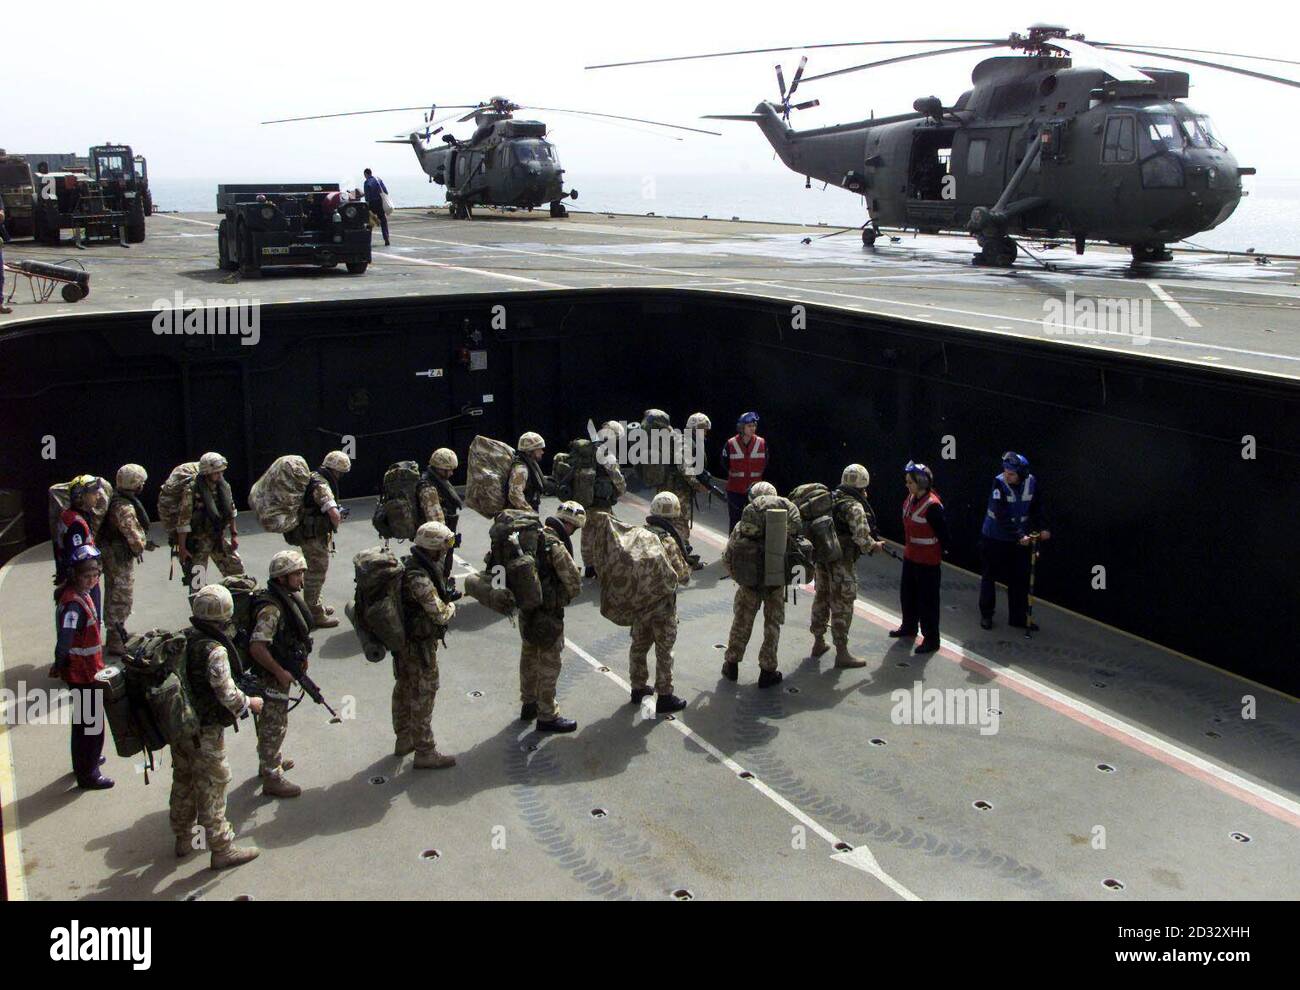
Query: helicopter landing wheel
{"points": [[460, 211], [869, 235], [558, 210], [1143, 253], [996, 252]]}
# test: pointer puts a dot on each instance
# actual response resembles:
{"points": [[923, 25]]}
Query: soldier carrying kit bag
{"points": [[635, 571], [276, 497], [487, 474], [397, 514], [376, 610], [816, 511]]}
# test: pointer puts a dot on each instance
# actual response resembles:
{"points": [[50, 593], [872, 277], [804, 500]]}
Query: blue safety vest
{"points": [[1008, 512]]}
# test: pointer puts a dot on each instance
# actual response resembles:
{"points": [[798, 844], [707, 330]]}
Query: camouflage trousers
{"points": [[200, 776], [658, 627], [415, 676], [272, 727], [837, 589], [591, 536], [317, 553], [119, 587], [202, 550], [744, 610], [539, 672]]}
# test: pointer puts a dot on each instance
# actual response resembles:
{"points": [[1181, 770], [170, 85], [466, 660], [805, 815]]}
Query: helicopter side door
{"points": [[979, 162]]}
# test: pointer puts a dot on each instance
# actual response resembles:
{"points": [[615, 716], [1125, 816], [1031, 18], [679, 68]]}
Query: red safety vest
{"points": [[922, 543], [86, 656], [744, 467]]}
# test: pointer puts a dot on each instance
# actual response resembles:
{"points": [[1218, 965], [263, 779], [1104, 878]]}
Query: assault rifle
{"points": [[251, 684]]}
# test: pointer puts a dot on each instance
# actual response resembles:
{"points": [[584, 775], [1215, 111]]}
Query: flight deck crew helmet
{"points": [[856, 476], [761, 488], [131, 478], [212, 462], [746, 418], [82, 484], [84, 555], [919, 473], [1011, 461], [434, 536], [337, 461], [444, 458], [287, 562], [572, 513], [666, 504], [214, 604], [531, 441], [699, 421]]}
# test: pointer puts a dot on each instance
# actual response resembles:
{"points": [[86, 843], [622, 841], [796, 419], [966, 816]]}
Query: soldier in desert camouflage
{"points": [[681, 479], [200, 773], [657, 624], [542, 629], [607, 491], [123, 539], [314, 533], [525, 483], [206, 511], [440, 502]]}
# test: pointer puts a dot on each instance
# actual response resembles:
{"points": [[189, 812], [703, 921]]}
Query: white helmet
{"points": [[213, 604], [531, 441], [761, 488], [287, 562], [212, 462], [445, 459], [572, 513], [856, 476], [434, 536], [614, 429], [698, 421], [131, 478], [666, 504], [338, 461]]}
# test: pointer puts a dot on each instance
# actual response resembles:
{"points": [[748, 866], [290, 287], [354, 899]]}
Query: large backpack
{"points": [[763, 555], [150, 706], [487, 590], [376, 608], [816, 507], [397, 514], [169, 496], [635, 572], [243, 589], [516, 544], [487, 472], [574, 473], [61, 498], [277, 496]]}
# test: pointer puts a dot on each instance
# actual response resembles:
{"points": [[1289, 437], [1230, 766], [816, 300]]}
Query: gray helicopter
{"points": [[505, 163], [1103, 151]]}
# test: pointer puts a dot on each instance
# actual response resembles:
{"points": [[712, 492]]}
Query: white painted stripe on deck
{"points": [[15, 881], [1172, 303], [473, 271]]}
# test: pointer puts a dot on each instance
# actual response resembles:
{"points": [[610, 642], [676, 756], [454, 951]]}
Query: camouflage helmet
{"points": [[698, 421], [287, 562], [212, 462], [337, 461], [666, 504], [856, 476], [131, 477], [656, 418], [213, 604], [572, 513], [444, 458], [83, 484], [531, 441], [434, 536], [614, 429], [761, 488]]}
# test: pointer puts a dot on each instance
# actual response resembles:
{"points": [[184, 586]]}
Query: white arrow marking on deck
{"points": [[1172, 303]]}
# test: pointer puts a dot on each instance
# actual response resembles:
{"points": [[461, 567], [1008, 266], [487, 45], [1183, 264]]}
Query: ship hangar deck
{"points": [[1228, 311]]}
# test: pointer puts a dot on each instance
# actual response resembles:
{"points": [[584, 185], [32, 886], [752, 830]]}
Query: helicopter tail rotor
{"points": [[786, 94]]}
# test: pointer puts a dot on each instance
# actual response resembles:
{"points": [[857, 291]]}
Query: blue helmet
{"points": [[920, 473], [1011, 461], [84, 553], [749, 417]]}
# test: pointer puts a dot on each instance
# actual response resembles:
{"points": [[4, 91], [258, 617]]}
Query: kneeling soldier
{"points": [[426, 612], [200, 773], [657, 623], [281, 635]]}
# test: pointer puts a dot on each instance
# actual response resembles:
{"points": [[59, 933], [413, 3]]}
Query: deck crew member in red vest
{"points": [[78, 657], [744, 459], [926, 535]]}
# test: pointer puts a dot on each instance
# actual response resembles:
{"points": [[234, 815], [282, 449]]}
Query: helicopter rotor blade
{"points": [[798, 74], [349, 113], [807, 105], [613, 116], [907, 58], [1131, 46], [1211, 65], [1114, 67], [780, 81], [797, 48]]}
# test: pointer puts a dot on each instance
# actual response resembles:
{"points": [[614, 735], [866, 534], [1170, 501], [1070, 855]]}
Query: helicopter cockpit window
{"points": [[527, 152], [1118, 144], [975, 156], [1160, 132], [1200, 133]]}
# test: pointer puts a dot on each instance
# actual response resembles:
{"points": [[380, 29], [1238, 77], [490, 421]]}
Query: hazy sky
{"points": [[190, 93]]}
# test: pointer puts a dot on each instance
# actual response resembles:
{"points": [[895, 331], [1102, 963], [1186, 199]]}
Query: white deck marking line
{"points": [[860, 856], [168, 216], [15, 882], [1172, 303], [411, 259], [1270, 802]]}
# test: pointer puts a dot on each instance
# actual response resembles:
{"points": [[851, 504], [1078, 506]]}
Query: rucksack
{"points": [[487, 472], [169, 496], [516, 544], [159, 710], [635, 572], [61, 498], [397, 514], [483, 589], [574, 473], [376, 608], [243, 589], [277, 496], [763, 555], [816, 511]]}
